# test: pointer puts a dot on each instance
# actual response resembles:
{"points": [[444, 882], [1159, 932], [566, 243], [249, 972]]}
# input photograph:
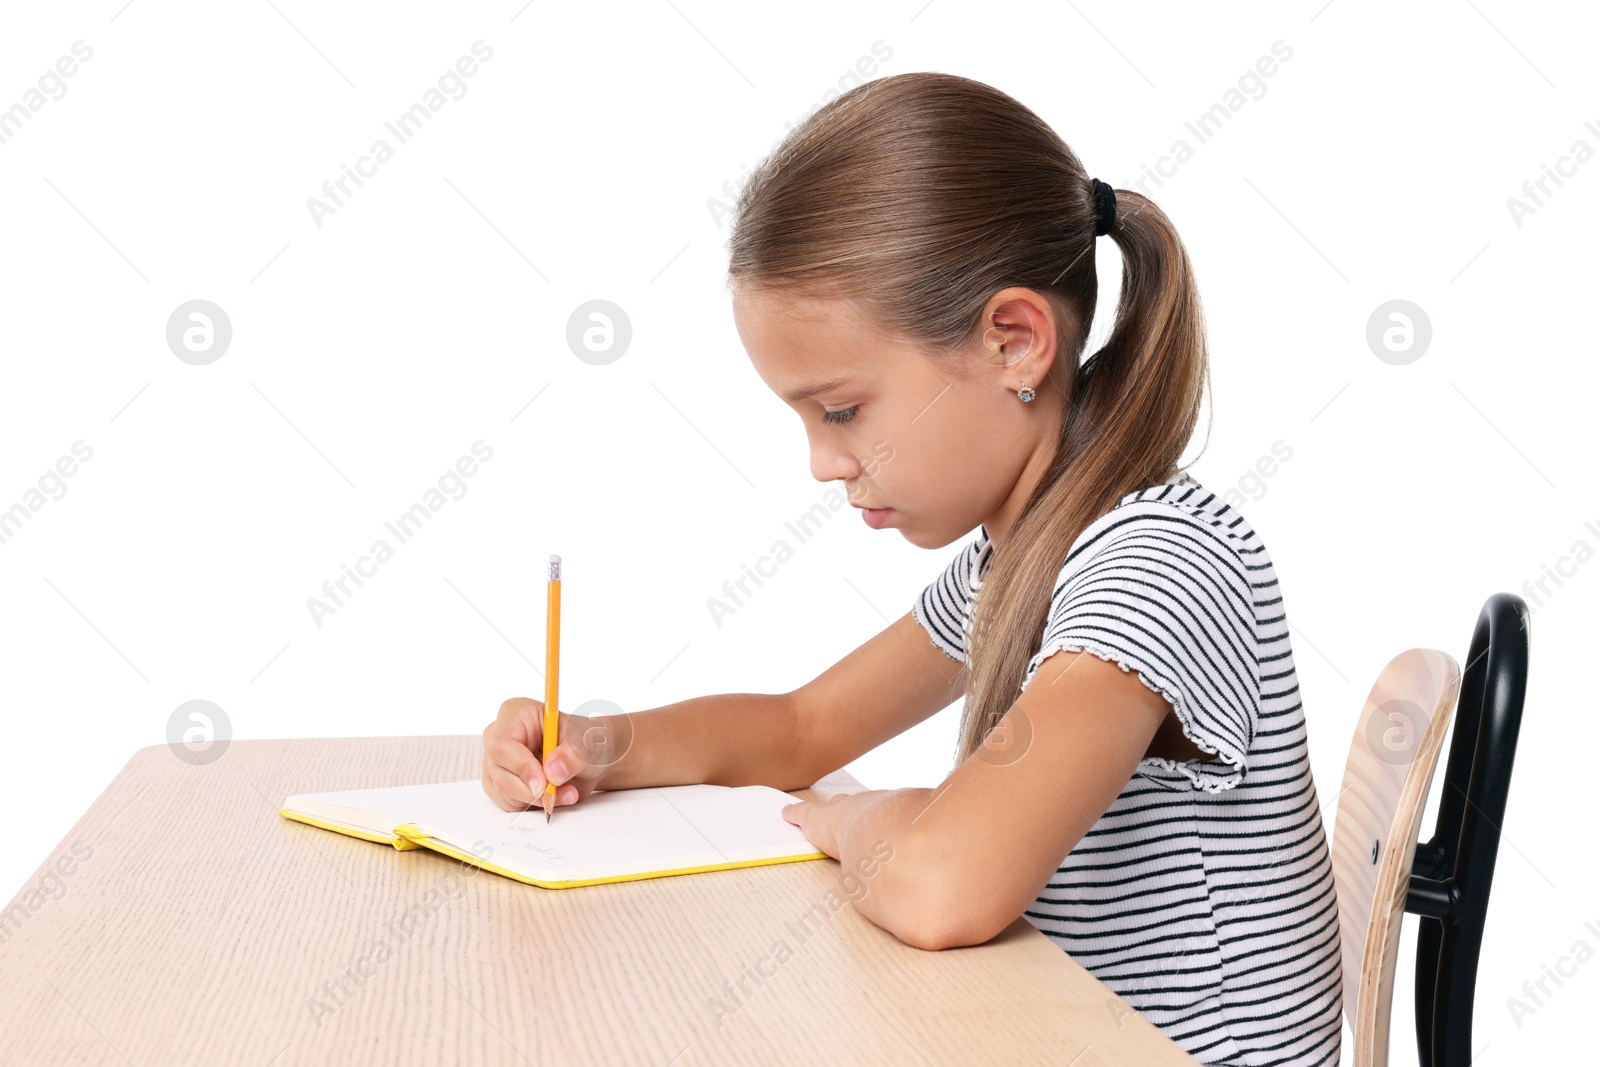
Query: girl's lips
{"points": [[876, 517]]}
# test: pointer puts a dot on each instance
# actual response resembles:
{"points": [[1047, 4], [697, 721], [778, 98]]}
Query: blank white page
{"points": [[380, 810], [619, 832]]}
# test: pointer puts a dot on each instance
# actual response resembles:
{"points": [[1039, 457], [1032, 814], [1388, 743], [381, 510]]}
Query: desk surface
{"points": [[183, 921]]}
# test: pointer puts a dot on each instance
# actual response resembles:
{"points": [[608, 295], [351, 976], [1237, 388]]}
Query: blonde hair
{"points": [[921, 195]]}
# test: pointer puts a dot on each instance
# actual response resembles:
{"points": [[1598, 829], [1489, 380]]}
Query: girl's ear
{"points": [[1021, 334]]}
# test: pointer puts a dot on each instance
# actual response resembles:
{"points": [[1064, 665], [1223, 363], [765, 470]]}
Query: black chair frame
{"points": [[1452, 871]]}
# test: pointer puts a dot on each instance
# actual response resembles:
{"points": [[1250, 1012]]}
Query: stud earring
{"points": [[1025, 393]]}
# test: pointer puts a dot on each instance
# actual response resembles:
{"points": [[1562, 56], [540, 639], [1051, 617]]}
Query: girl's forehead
{"points": [[802, 339], [803, 345], [797, 312]]}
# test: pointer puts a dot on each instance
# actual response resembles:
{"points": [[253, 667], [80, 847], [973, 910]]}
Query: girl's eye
{"points": [[842, 415]]}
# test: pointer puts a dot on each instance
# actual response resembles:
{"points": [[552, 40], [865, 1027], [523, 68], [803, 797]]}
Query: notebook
{"points": [[609, 836]]}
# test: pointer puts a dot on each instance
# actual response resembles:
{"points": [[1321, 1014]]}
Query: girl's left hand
{"points": [[820, 820]]}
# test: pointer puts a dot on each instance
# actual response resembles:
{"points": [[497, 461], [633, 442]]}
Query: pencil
{"points": [[552, 656]]}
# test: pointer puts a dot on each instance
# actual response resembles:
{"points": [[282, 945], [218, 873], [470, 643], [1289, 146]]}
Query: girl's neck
{"points": [[999, 524]]}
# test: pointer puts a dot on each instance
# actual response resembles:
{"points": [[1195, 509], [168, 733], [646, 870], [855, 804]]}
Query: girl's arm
{"points": [[790, 740], [895, 680], [957, 864]]}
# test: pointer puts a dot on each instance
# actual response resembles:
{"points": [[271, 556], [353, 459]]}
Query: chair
{"points": [[1381, 871]]}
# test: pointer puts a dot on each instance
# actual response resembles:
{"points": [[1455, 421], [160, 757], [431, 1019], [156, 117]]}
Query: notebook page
{"points": [[621, 832], [383, 808]]}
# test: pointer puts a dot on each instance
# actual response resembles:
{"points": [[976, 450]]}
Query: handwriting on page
{"points": [[525, 845]]}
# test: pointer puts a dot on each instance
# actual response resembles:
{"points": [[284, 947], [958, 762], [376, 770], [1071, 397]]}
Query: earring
{"points": [[1025, 393]]}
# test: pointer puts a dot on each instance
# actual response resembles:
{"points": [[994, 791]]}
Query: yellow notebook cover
{"points": [[609, 836]]}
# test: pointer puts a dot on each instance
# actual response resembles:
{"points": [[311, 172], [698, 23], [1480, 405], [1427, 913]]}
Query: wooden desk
{"points": [[194, 925]]}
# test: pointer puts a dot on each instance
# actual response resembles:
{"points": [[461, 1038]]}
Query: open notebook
{"points": [[609, 836]]}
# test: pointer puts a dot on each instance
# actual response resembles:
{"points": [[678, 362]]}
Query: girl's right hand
{"points": [[513, 776]]}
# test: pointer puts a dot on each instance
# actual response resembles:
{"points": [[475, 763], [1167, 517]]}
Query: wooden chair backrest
{"points": [[1385, 789]]}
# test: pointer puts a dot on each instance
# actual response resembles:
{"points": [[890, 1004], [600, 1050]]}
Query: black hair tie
{"points": [[1105, 203]]}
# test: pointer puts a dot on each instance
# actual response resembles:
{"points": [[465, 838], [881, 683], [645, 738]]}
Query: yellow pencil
{"points": [[552, 655]]}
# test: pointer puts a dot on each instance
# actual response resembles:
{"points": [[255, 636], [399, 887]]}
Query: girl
{"points": [[914, 273]]}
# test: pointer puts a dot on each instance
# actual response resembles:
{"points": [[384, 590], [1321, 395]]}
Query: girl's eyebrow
{"points": [[818, 387]]}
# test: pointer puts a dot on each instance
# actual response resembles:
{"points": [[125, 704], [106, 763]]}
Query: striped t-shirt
{"points": [[1204, 896]]}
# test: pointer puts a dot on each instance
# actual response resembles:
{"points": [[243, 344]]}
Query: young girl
{"points": [[914, 273]]}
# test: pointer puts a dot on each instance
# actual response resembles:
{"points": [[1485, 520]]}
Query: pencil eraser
{"points": [[555, 559]]}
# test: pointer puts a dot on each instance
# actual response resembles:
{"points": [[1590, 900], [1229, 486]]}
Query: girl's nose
{"points": [[831, 464]]}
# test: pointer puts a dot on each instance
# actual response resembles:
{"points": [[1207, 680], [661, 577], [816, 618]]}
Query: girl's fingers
{"points": [[521, 718], [517, 794], [514, 773], [516, 759], [566, 794], [507, 790], [576, 762], [565, 763]]}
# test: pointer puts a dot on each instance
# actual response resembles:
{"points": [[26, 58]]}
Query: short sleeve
{"points": [[944, 605], [1163, 595]]}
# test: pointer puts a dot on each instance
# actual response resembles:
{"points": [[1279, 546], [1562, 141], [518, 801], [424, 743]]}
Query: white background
{"points": [[583, 162]]}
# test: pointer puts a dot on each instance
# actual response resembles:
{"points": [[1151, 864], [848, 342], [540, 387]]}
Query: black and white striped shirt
{"points": [[1204, 896]]}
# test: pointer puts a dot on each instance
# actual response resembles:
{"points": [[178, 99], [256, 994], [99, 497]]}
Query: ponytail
{"points": [[1131, 409]]}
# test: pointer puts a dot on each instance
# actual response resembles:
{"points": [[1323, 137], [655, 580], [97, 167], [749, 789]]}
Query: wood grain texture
{"points": [[1386, 778], [204, 928]]}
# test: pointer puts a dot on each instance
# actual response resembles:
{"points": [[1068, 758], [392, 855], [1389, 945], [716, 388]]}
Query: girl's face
{"points": [[942, 447]]}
